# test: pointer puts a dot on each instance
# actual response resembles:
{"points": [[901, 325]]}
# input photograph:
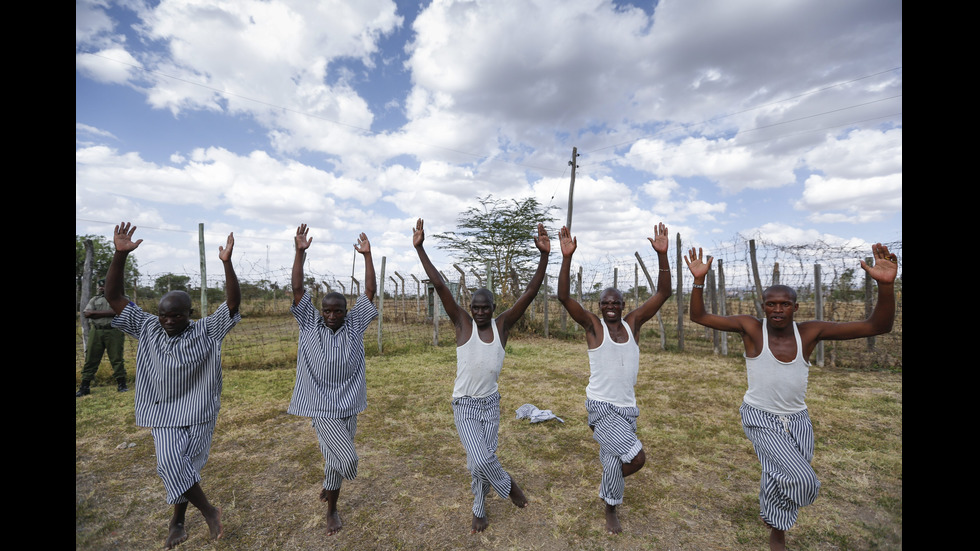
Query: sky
{"points": [[719, 118]]}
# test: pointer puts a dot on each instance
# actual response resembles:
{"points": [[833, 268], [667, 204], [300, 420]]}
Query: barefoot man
{"points": [[330, 378], [614, 361], [774, 414], [480, 342], [178, 379]]}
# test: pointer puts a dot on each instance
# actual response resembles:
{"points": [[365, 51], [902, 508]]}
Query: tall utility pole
{"points": [[571, 188]]}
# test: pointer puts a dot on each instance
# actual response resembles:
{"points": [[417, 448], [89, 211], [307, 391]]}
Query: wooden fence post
{"points": [[653, 289], [86, 291], [818, 305], [757, 299], [868, 301], [723, 306], [680, 295], [204, 271], [381, 306]]}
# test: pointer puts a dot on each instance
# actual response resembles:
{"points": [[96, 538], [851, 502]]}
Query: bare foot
{"points": [[516, 495], [176, 536], [214, 524], [777, 538], [334, 524], [480, 523], [612, 520]]}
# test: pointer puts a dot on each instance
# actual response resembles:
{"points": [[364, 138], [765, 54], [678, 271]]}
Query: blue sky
{"points": [[717, 117]]}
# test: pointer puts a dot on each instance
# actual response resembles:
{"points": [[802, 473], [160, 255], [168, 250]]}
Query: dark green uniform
{"points": [[102, 338]]}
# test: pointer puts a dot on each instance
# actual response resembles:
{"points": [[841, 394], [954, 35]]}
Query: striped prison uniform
{"points": [[181, 454], [776, 421], [478, 422], [336, 437], [784, 446], [614, 428], [610, 400], [330, 382], [178, 390]]}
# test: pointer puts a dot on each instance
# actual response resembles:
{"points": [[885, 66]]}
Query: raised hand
{"points": [[362, 246], [885, 267], [568, 243], [660, 241], [698, 267], [224, 253], [302, 241], [122, 238], [542, 241], [418, 236]]}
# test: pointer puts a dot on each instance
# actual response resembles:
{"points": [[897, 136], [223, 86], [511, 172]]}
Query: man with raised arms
{"points": [[480, 342], [614, 361], [774, 413], [178, 379], [330, 370]]}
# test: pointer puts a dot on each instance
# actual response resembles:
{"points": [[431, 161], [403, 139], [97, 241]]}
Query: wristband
{"points": [[698, 286]]}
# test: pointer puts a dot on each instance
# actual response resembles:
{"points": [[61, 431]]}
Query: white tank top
{"points": [[776, 386], [478, 365], [613, 369]]}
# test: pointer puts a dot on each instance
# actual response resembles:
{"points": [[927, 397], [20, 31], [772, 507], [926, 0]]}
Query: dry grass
{"points": [[698, 490]]}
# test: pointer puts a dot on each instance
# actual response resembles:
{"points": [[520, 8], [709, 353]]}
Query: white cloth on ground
{"points": [[536, 415]]}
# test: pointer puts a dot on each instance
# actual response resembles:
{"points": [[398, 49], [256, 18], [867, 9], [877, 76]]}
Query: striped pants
{"points": [[181, 454], [336, 438], [477, 422], [614, 428], [784, 445]]}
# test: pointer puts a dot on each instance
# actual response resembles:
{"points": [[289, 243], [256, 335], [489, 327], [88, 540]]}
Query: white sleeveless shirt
{"points": [[478, 365], [613, 369], [776, 386]]}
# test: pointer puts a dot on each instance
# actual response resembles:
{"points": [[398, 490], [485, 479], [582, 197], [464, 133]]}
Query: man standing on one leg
{"points": [[614, 361], [178, 380], [330, 370], [480, 342], [774, 413]]}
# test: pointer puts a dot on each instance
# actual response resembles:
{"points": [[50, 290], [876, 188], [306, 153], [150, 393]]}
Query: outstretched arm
{"points": [[884, 271], [455, 313], [122, 239], [648, 309], [302, 242], [699, 269], [363, 246], [581, 316], [233, 293], [514, 313]]}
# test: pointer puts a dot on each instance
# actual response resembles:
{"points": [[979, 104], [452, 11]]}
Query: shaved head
{"points": [[779, 289]]}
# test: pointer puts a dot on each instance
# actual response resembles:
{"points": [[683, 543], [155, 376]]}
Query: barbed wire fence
{"points": [[413, 318]]}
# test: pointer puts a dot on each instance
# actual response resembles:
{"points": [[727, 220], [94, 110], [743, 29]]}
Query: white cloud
{"points": [[111, 66], [680, 111], [856, 200]]}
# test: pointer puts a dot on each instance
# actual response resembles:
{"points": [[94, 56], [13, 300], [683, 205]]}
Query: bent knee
{"points": [[809, 489], [639, 461], [348, 469], [484, 467], [634, 464]]}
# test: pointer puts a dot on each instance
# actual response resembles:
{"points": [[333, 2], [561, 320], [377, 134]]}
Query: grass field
{"points": [[699, 489]]}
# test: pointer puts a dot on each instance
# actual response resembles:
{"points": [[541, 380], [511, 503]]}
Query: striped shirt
{"points": [[330, 380], [178, 379]]}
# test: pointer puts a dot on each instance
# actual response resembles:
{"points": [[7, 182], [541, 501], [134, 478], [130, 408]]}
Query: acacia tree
{"points": [[498, 235]]}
